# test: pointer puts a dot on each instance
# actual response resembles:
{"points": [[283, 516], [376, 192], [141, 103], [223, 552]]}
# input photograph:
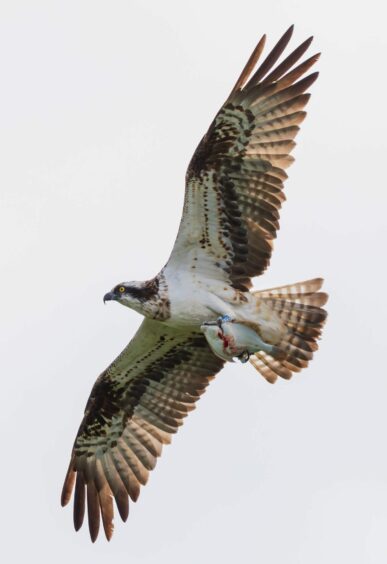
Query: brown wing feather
{"points": [[271, 58], [249, 67], [234, 187], [133, 408]]}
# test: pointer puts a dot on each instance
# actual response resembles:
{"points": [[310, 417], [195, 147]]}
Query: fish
{"points": [[229, 339]]}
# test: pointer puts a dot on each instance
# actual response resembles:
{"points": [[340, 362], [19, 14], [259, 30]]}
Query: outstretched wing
{"points": [[234, 183], [133, 408]]}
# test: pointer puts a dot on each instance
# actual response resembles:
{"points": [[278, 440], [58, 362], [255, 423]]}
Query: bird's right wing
{"points": [[234, 183], [133, 408]]}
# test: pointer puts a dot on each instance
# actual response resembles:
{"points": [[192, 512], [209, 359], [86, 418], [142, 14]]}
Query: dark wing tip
{"points": [[312, 77], [289, 31], [284, 40], [302, 85], [79, 501], [122, 502], [93, 511], [306, 44]]}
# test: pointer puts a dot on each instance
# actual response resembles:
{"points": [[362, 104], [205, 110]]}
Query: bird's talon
{"points": [[244, 357]]}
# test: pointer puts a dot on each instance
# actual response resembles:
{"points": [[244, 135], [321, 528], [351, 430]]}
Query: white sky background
{"points": [[103, 104]]}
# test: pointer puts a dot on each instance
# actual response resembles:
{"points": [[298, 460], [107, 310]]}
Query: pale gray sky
{"points": [[102, 105]]}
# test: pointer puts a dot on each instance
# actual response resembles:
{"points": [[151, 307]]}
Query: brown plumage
{"points": [[134, 407], [299, 307], [241, 162], [234, 191]]}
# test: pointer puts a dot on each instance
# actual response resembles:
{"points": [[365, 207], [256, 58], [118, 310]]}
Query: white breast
{"points": [[189, 298]]}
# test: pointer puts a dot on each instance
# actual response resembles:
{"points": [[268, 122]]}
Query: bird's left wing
{"points": [[234, 183], [134, 406]]}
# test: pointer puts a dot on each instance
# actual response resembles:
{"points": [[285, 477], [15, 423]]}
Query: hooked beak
{"points": [[109, 297]]}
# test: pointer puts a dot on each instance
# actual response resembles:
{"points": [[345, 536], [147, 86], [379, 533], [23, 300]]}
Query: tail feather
{"points": [[298, 306], [272, 367], [296, 365], [306, 292]]}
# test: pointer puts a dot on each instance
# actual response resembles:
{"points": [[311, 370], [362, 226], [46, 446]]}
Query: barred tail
{"points": [[299, 308]]}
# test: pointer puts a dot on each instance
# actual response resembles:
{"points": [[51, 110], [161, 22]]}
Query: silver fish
{"points": [[229, 339]]}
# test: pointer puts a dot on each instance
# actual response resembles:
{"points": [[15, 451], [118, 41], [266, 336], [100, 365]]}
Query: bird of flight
{"points": [[200, 310]]}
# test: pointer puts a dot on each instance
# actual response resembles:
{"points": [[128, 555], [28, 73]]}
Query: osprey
{"points": [[200, 310]]}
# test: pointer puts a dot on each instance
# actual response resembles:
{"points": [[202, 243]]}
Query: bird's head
{"points": [[132, 294], [129, 294]]}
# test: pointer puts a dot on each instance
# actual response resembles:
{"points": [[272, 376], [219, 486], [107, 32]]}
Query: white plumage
{"points": [[234, 192]]}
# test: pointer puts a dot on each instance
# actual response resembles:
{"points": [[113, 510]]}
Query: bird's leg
{"points": [[223, 319], [222, 309]]}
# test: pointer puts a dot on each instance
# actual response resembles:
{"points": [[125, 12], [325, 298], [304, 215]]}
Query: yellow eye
{"points": [[121, 289]]}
